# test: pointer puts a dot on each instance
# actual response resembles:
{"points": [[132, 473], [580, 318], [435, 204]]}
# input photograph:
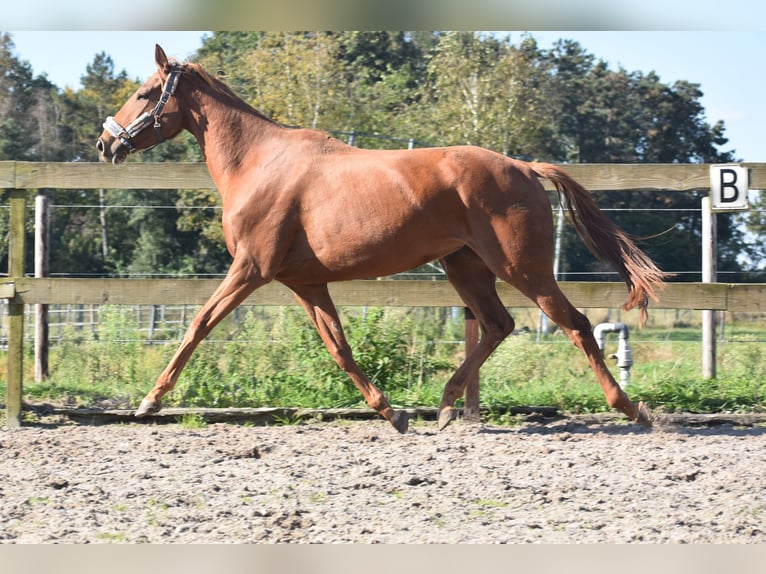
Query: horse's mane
{"points": [[217, 85], [192, 68]]}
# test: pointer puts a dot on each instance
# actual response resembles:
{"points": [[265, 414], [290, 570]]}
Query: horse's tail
{"points": [[605, 240]]}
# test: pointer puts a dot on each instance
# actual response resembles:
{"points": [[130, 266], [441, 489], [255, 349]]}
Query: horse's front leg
{"points": [[316, 300], [240, 281]]}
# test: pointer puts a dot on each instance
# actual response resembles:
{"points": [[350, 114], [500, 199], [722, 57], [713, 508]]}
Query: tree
{"points": [[28, 121], [23, 106], [83, 111], [384, 73], [754, 252], [225, 53], [463, 89], [525, 117], [336, 81], [609, 116]]}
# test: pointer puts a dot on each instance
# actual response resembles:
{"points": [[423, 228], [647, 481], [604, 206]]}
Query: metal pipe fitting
{"points": [[624, 355]]}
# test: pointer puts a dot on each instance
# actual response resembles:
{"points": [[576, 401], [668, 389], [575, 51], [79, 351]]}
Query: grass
{"points": [[111, 536], [192, 421], [276, 359]]}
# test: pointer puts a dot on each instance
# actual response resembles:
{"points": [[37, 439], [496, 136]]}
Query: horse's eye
{"points": [[142, 96]]}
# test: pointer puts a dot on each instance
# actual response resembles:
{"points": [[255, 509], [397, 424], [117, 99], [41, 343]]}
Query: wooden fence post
{"points": [[471, 408], [42, 248], [15, 310]]}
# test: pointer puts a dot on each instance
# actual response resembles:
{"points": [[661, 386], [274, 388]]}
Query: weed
{"points": [[488, 503], [111, 536], [317, 497], [192, 421], [288, 420]]}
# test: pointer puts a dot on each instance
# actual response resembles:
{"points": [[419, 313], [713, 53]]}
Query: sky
{"points": [[728, 64]]}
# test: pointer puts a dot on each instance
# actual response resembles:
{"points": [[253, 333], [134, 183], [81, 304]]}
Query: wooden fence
{"points": [[21, 178]]}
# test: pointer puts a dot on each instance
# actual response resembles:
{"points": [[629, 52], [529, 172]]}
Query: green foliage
{"points": [[676, 384], [666, 374], [192, 421], [522, 372], [275, 359], [755, 221], [107, 367], [281, 361]]}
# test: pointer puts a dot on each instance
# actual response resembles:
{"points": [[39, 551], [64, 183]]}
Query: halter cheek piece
{"points": [[126, 135]]}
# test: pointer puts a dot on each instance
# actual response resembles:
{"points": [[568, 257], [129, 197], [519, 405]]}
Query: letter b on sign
{"points": [[728, 187]]}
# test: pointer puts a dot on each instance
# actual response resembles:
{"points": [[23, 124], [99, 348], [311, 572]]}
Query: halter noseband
{"points": [[126, 135]]}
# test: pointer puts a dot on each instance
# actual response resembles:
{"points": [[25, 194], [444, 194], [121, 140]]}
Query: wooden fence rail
{"points": [[23, 177], [595, 177], [740, 297]]}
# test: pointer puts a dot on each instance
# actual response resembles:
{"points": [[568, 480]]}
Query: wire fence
{"points": [[166, 324], [572, 274]]}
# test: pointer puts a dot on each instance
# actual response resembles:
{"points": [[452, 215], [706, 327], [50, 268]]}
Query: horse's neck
{"points": [[229, 133]]}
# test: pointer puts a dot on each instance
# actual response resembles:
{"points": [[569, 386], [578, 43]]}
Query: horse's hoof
{"points": [[147, 408], [446, 416], [400, 421], [644, 416]]}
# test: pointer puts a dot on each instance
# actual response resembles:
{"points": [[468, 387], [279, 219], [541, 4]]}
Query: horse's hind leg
{"points": [[475, 284], [316, 300], [546, 293]]}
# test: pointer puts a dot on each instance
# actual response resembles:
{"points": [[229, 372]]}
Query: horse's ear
{"points": [[160, 57]]}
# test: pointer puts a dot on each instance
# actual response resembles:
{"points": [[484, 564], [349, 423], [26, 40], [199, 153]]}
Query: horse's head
{"points": [[151, 106]]}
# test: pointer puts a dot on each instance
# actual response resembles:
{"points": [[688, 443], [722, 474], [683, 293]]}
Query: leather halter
{"points": [[126, 135]]}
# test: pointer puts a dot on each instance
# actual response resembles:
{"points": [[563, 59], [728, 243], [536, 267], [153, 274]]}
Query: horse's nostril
{"points": [[100, 145]]}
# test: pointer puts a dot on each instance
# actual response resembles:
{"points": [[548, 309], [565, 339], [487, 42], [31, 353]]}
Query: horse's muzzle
{"points": [[114, 153]]}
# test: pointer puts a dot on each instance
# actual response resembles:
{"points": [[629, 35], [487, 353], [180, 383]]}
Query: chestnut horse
{"points": [[304, 209]]}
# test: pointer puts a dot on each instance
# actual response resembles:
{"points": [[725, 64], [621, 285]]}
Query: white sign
{"points": [[728, 187]]}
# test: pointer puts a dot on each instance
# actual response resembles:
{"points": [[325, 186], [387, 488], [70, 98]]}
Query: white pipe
{"points": [[624, 355]]}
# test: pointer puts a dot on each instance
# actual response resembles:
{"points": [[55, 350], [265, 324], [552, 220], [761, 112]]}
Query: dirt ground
{"points": [[361, 482]]}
